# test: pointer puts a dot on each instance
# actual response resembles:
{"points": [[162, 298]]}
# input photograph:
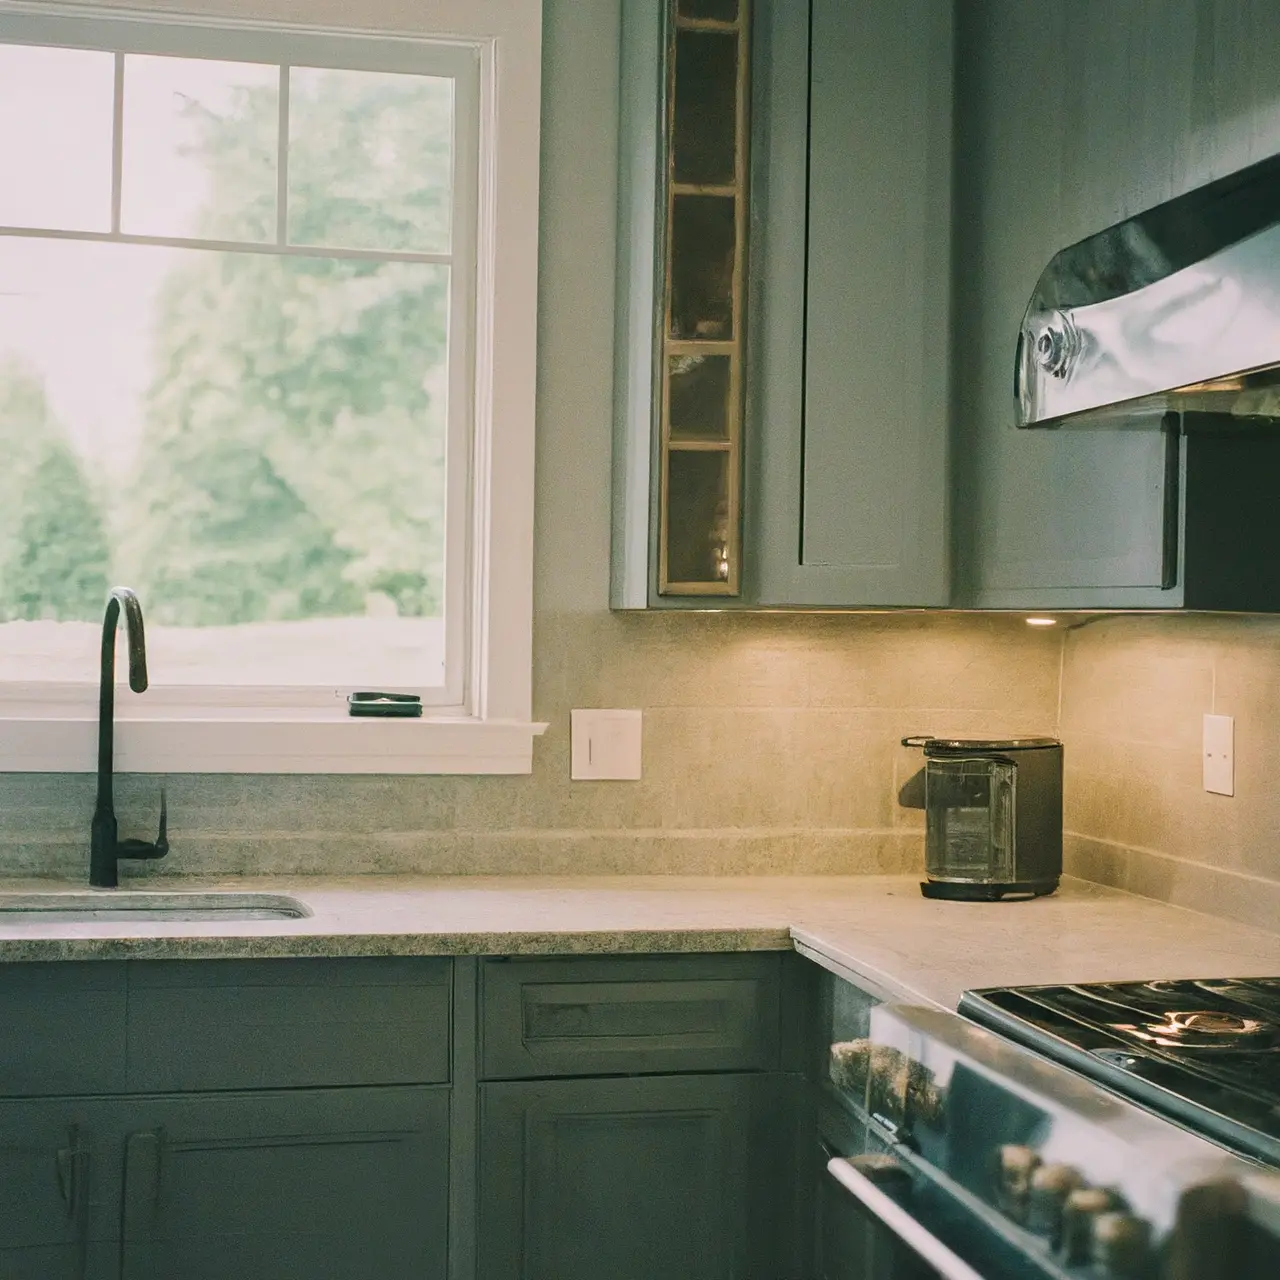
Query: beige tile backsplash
{"points": [[1134, 694], [771, 745]]}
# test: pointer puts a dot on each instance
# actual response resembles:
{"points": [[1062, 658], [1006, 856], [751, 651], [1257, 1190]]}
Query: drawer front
{"points": [[232, 1024], [62, 1028], [569, 1017]]}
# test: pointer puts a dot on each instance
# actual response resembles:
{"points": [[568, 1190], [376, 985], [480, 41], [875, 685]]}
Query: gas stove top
{"points": [[1204, 1052]]}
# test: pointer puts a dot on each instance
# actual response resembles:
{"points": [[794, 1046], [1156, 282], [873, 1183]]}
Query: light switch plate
{"points": [[1219, 755], [604, 744]]}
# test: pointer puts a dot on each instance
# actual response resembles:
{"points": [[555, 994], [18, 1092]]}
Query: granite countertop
{"points": [[877, 929]]}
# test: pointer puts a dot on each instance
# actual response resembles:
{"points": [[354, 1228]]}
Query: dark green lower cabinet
{"points": [[632, 1178], [323, 1184], [155, 1159], [59, 1199], [327, 1184]]}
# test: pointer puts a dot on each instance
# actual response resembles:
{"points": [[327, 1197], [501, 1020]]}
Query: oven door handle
{"points": [[891, 1215]]}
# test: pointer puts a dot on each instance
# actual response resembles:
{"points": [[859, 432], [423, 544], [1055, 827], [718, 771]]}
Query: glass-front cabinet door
{"points": [[683, 228], [703, 281]]}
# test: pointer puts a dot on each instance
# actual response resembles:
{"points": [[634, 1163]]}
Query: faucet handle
{"points": [[162, 837], [145, 848]]}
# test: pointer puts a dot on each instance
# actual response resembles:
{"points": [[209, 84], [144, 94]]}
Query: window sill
{"points": [[284, 743]]}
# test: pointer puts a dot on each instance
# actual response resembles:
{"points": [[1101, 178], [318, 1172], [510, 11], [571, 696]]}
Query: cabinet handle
{"points": [[66, 1165], [1172, 430], [892, 1216], [72, 1161], [72, 1166]]}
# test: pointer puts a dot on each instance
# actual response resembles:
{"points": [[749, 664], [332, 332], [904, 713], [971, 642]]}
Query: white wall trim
{"points": [[298, 744]]}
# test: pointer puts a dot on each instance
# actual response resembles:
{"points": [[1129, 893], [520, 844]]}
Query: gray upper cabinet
{"points": [[844, 378], [910, 169], [1069, 119], [848, 407]]}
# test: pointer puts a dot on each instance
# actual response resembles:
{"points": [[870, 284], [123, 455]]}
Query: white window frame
{"points": [[484, 724]]}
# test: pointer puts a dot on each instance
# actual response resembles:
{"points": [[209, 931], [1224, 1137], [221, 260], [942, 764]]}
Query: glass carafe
{"points": [[969, 819]]}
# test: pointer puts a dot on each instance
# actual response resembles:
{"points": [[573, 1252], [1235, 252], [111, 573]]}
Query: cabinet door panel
{"points": [[626, 1178], [325, 1184], [59, 1190], [1041, 517], [850, 412]]}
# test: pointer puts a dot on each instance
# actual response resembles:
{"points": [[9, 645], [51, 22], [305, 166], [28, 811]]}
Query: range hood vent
{"points": [[1175, 310]]}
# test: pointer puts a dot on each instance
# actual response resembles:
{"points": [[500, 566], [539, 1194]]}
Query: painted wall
{"points": [[770, 743], [1134, 694]]}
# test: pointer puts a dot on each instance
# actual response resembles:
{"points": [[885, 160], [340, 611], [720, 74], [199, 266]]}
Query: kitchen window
{"points": [[267, 306]]}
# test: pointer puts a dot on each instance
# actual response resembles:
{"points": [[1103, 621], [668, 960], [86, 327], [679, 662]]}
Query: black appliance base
{"points": [[953, 892]]}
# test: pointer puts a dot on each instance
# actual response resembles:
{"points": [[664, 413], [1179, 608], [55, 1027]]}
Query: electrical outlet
{"points": [[604, 744], [1220, 755]]}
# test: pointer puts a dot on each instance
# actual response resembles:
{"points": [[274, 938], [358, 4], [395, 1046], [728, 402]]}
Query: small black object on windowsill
{"points": [[384, 704]]}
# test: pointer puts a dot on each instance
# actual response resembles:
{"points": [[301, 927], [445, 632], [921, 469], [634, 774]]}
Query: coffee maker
{"points": [[993, 817]]}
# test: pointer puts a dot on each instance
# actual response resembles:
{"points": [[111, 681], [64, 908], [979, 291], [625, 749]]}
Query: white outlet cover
{"points": [[605, 744], [1219, 755]]}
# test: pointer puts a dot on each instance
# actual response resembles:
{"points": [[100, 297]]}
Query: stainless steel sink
{"points": [[141, 906]]}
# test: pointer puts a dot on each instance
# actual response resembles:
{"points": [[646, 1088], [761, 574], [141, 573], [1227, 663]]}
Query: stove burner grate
{"points": [[1215, 1022]]}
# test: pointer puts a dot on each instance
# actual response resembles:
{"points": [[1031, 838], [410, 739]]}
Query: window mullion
{"points": [[282, 160], [117, 144]]}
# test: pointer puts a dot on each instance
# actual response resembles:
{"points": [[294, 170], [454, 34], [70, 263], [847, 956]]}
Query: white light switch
{"points": [[604, 744], [1220, 755]]}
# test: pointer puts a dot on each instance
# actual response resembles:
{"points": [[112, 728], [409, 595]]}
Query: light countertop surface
{"points": [[876, 928]]}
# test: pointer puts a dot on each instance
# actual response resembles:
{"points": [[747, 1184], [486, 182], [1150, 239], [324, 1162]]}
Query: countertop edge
{"points": [[258, 946]]}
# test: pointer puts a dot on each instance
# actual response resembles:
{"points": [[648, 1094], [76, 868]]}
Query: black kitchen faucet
{"points": [[104, 848]]}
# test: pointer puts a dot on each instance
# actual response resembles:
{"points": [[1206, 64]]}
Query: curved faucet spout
{"points": [[137, 640], [104, 846]]}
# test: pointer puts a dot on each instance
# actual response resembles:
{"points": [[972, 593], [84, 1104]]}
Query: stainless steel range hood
{"points": [[1177, 309]]}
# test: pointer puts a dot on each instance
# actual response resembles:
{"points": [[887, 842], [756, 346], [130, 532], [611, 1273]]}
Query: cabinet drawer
{"points": [[567, 1017], [62, 1028], [231, 1024]]}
